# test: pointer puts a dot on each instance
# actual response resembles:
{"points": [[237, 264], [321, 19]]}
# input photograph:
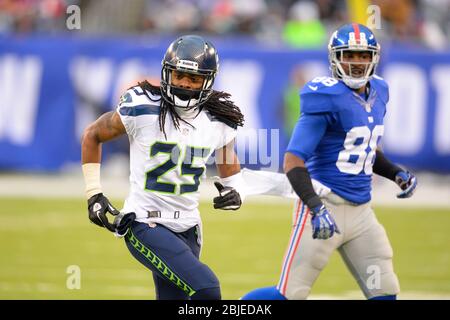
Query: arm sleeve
{"points": [[307, 134], [385, 168]]}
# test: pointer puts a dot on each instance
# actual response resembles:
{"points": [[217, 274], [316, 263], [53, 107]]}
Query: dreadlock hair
{"points": [[218, 105]]}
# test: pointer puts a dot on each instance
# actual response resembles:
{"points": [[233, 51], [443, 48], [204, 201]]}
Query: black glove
{"points": [[98, 207], [229, 198], [123, 222]]}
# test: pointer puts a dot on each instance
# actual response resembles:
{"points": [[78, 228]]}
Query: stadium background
{"points": [[54, 80]]}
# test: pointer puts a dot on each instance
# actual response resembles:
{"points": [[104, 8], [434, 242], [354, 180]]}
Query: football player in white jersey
{"points": [[173, 129]]}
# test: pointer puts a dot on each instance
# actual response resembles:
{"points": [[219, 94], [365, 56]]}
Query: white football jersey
{"points": [[165, 173]]}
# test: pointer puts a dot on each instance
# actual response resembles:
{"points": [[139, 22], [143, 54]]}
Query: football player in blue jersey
{"points": [[335, 143]]}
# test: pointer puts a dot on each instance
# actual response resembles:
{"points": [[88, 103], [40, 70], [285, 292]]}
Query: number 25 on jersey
{"points": [[172, 150]]}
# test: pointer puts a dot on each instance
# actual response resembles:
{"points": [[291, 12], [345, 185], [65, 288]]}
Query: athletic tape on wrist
{"points": [[237, 182], [91, 173]]}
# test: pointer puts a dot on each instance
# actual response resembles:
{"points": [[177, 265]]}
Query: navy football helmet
{"points": [[353, 37], [191, 54]]}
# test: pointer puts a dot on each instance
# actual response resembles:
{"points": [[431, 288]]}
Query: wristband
{"points": [[91, 173], [236, 181]]}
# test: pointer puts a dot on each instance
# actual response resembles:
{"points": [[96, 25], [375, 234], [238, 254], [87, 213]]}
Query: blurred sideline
{"points": [[433, 189]]}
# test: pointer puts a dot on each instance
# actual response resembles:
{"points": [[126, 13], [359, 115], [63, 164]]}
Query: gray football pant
{"points": [[363, 245]]}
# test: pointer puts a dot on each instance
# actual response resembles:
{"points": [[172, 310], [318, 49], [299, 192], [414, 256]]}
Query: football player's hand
{"points": [[98, 207], [229, 198], [123, 222], [407, 182], [323, 224]]}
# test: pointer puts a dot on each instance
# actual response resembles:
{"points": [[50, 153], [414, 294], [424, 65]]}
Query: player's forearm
{"points": [[292, 161], [385, 168], [231, 176], [227, 161], [108, 127], [91, 147], [298, 176], [227, 170], [90, 157]]}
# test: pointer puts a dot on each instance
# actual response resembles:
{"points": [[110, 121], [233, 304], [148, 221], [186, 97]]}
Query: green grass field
{"points": [[39, 239]]}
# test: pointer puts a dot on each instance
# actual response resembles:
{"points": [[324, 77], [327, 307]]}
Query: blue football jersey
{"points": [[338, 133]]}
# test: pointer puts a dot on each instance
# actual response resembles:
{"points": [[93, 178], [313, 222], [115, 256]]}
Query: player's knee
{"points": [[300, 294], [387, 285], [319, 263], [385, 253], [301, 280], [390, 284], [318, 260], [207, 294]]}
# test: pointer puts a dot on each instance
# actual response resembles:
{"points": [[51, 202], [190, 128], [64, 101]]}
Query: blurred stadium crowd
{"points": [[297, 23]]}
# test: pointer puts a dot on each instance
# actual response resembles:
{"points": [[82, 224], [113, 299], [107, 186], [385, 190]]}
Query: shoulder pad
{"points": [[135, 102], [324, 85], [316, 96], [136, 96], [381, 87]]}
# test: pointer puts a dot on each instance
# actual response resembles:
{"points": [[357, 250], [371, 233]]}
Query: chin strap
{"points": [[354, 83], [185, 104], [187, 113]]}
